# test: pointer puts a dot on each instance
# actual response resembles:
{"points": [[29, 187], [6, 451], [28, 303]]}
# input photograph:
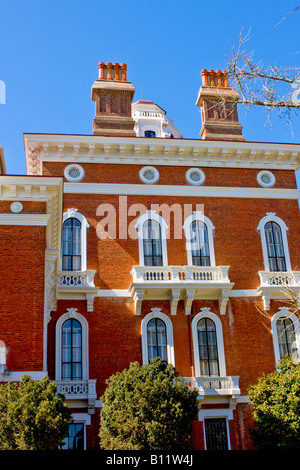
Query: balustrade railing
{"points": [[75, 278], [77, 389], [180, 273], [214, 385], [272, 278]]}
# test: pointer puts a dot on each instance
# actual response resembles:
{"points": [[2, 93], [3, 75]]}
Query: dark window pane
{"points": [[286, 336], [199, 244], [157, 339], [150, 134], [216, 434], [275, 248], [71, 354], [71, 245], [152, 243], [208, 350]]}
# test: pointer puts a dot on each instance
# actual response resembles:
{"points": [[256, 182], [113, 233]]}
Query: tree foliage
{"points": [[147, 408], [275, 401], [32, 416]]}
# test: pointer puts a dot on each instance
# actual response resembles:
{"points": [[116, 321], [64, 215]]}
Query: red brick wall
{"points": [[22, 256]]}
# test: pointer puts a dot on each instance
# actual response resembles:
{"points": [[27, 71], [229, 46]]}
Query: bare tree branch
{"points": [[272, 87]]}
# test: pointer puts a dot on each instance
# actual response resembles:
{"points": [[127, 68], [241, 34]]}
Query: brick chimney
{"points": [[217, 102], [113, 95]]}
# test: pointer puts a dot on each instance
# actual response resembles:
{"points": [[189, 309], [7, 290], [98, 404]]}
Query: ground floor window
{"points": [[216, 434], [75, 439]]}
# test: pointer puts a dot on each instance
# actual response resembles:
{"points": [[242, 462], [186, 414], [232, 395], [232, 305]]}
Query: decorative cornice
{"points": [[157, 151]]}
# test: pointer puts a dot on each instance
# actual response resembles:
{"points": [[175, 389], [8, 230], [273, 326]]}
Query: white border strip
{"points": [[24, 219], [168, 190]]}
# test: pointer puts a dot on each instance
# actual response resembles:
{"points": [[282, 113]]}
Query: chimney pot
{"points": [[116, 71], [225, 78], [108, 70], [204, 75], [101, 67], [212, 77], [219, 77], [123, 72]]}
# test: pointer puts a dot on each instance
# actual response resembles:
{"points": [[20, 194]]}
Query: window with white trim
{"points": [[285, 330], [152, 235], [74, 241], [208, 344], [71, 347], [274, 243], [157, 337], [199, 240]]}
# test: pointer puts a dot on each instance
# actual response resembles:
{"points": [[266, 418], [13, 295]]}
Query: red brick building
{"points": [[117, 247]]}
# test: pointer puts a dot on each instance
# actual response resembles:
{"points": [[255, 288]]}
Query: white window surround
{"points": [[196, 171], [163, 226], [198, 215], [71, 314], [153, 171], [84, 226], [206, 313], [284, 312], [78, 169], [156, 313], [272, 217], [269, 175]]}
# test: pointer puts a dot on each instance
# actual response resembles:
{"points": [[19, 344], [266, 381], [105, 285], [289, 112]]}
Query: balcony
{"points": [[79, 390], [77, 285], [215, 386], [180, 282], [276, 285]]}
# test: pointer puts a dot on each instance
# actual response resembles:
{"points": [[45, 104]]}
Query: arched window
{"points": [[199, 240], [71, 245], [208, 348], [152, 235], [157, 339], [71, 356], [199, 244], [286, 336], [276, 256], [74, 241], [275, 249], [208, 344], [152, 243]]}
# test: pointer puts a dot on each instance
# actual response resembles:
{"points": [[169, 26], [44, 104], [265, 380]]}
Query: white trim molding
{"points": [[181, 190], [198, 215], [272, 217], [206, 313], [284, 312], [25, 219], [156, 313]]}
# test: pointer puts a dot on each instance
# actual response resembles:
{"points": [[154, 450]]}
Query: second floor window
{"points": [[152, 243], [274, 242], [71, 245], [71, 355], [199, 244]]}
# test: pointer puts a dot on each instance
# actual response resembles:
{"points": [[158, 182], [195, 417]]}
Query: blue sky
{"points": [[49, 54]]}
